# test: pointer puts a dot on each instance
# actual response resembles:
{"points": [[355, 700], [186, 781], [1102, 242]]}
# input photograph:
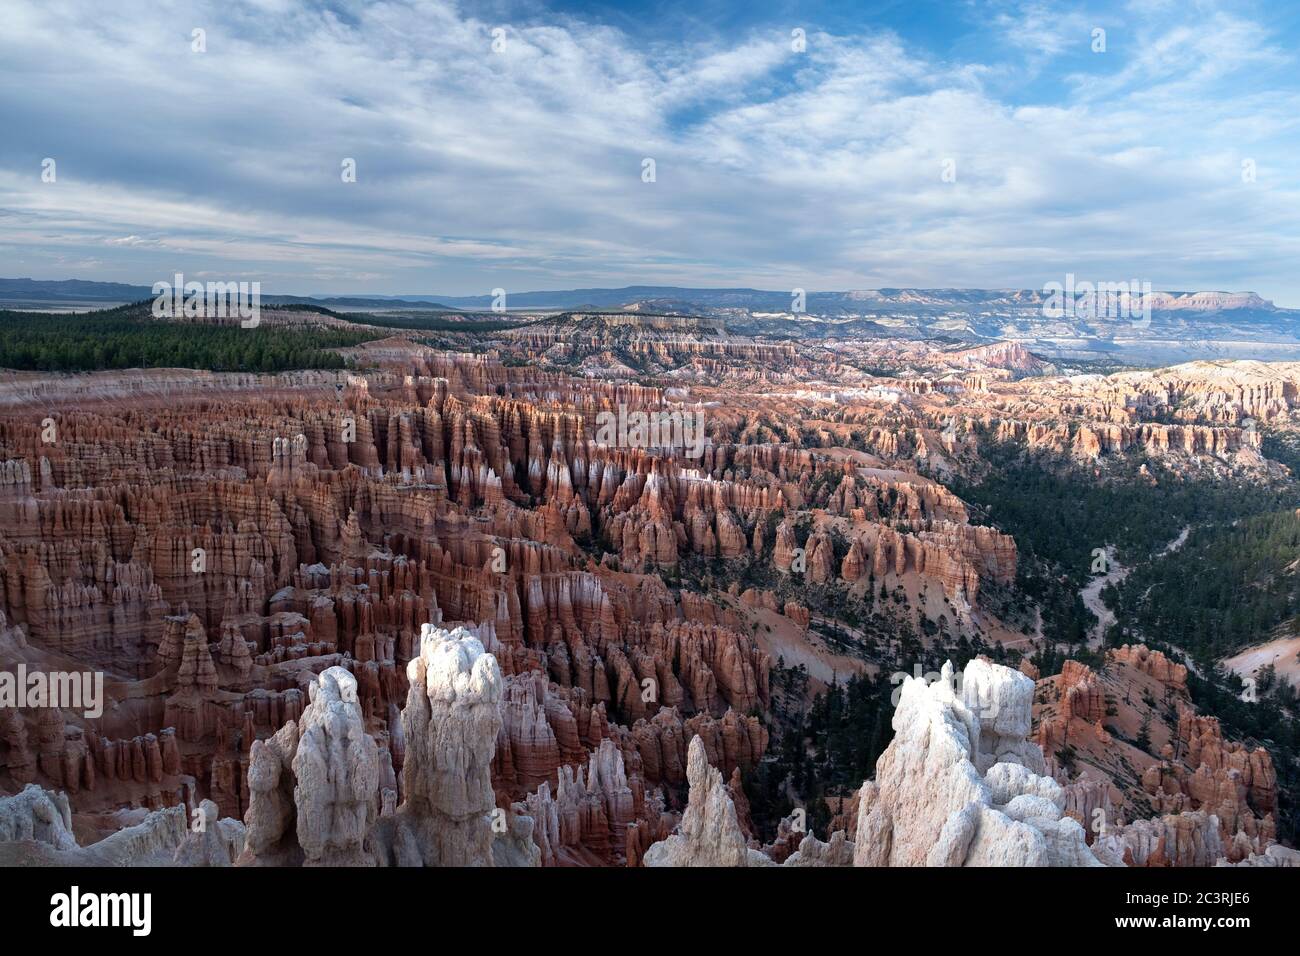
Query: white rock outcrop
{"points": [[337, 772], [960, 785], [210, 841], [709, 834], [36, 830], [813, 852], [271, 837], [42, 816], [314, 785], [513, 844], [1276, 855], [449, 725]]}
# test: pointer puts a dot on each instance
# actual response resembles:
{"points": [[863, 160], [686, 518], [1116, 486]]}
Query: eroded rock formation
{"points": [[450, 726], [263, 568], [709, 834], [315, 784], [961, 786]]}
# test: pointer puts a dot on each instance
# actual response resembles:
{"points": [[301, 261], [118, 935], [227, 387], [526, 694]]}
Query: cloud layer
{"points": [[522, 166]]}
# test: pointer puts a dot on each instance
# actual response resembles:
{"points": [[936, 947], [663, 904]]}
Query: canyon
{"points": [[414, 613]]}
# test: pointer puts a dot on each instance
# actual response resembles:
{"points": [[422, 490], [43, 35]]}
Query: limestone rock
{"points": [[270, 826], [36, 829], [709, 834], [315, 785], [336, 767], [1274, 855], [813, 852], [1184, 839], [450, 726], [37, 814], [513, 845], [960, 786], [210, 841]]}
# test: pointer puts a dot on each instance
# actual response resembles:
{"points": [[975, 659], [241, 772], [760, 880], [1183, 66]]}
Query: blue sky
{"points": [[775, 167]]}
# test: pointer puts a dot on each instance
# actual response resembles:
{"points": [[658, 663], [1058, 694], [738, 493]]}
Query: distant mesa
{"points": [[678, 299]]}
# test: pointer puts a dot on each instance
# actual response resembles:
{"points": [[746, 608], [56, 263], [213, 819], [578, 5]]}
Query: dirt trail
{"points": [[1091, 593]]}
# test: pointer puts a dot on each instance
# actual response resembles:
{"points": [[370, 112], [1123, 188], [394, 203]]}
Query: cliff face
{"points": [[1091, 440]]}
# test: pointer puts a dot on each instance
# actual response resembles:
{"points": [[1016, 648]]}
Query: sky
{"points": [[822, 146]]}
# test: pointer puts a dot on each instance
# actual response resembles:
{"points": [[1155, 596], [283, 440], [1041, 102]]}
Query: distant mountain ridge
{"points": [[854, 300], [667, 298], [81, 290], [87, 291]]}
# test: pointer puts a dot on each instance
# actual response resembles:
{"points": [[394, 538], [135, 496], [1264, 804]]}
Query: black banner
{"points": [[142, 907]]}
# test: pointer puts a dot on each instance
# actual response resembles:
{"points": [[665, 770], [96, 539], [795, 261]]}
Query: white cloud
{"points": [[523, 168]]}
